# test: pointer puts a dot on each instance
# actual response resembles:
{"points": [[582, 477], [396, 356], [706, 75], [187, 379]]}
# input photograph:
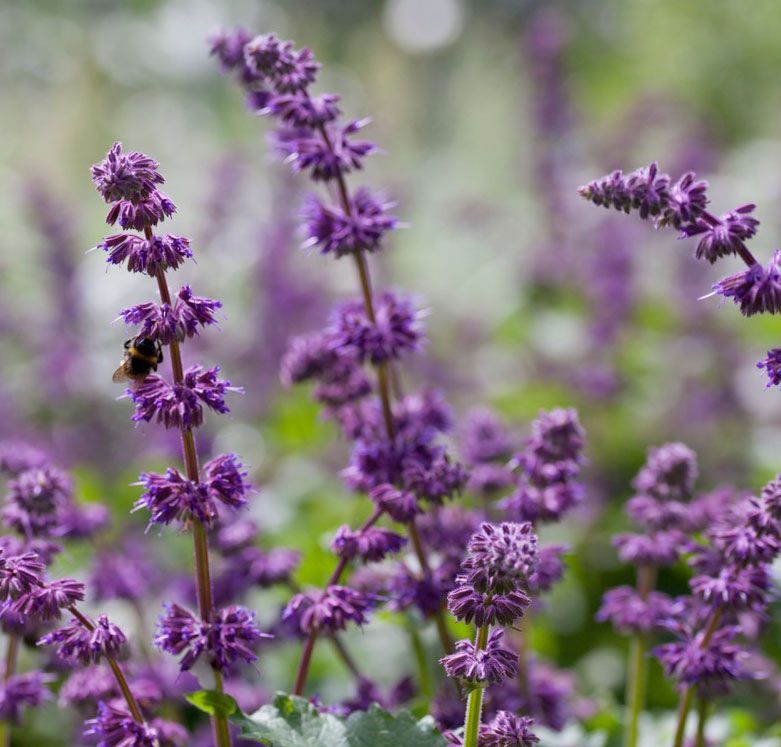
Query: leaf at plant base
{"points": [[213, 703], [294, 722]]}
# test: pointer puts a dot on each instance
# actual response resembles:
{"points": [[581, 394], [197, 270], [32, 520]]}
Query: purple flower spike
{"points": [[508, 730], [143, 255], [225, 477], [47, 602], [771, 364], [371, 545], [77, 645], [501, 557], [686, 202], [492, 665], [397, 328], [644, 190], [37, 500], [338, 233], [305, 112], [628, 612], [658, 549], [228, 47], [125, 176], [115, 727], [723, 236], [332, 610], [669, 473], [22, 691], [484, 438], [195, 311], [467, 604], [734, 587], [757, 290], [287, 70]]}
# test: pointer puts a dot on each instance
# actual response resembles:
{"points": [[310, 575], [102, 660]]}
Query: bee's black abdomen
{"points": [[138, 367]]}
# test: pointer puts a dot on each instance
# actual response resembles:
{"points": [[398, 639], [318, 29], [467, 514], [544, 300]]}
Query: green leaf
{"points": [[213, 703], [294, 722]]}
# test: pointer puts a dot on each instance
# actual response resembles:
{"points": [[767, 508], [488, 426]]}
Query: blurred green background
{"points": [[490, 114]]}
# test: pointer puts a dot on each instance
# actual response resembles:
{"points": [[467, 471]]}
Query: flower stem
{"points": [[421, 660], [703, 707], [638, 665], [687, 694], [11, 655], [200, 538], [119, 675], [474, 703]]}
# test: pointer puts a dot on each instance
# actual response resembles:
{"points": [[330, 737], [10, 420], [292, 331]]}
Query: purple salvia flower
{"points": [[236, 535], [771, 364], [693, 662], [224, 477], [17, 457], [467, 604], [125, 176], [115, 727], [180, 632], [36, 501], [396, 329], [148, 211], [626, 610], [508, 730], [20, 575], [20, 691], [557, 437], [332, 610], [335, 232], [228, 48], [46, 602], [721, 237], [400, 505], [370, 545], [746, 544], [657, 549], [549, 569], [286, 69], [180, 405], [644, 190], [146, 255], [501, 557], [484, 438], [77, 645], [306, 149], [757, 290], [734, 588], [492, 664], [669, 473], [301, 111], [126, 573], [686, 203], [88, 686]]}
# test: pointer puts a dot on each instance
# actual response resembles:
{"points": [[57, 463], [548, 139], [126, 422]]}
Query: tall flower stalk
{"points": [[129, 182], [377, 329]]}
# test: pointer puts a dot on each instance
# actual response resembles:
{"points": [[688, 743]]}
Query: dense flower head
{"points": [[669, 473], [468, 604], [491, 664], [501, 557], [549, 569], [542, 503], [165, 324], [75, 644], [508, 730], [721, 237], [173, 497], [161, 252], [756, 290], [181, 405], [687, 199], [396, 328], [138, 215], [734, 587], [557, 437], [693, 660], [231, 635], [88, 686], [287, 70], [37, 500], [645, 190], [752, 541], [628, 612], [331, 610], [228, 48], [306, 150], [362, 228], [370, 545], [125, 176], [20, 691], [659, 515], [300, 111], [484, 438], [115, 727], [659, 549]]}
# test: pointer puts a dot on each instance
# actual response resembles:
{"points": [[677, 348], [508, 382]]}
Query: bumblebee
{"points": [[142, 356]]}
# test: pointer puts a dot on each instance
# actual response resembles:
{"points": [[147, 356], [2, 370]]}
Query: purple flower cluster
{"points": [[546, 485], [490, 665], [76, 643], [230, 636], [330, 610]]}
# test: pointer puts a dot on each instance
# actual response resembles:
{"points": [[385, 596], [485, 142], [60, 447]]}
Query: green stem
{"points": [[637, 679], [703, 707], [635, 689], [420, 659], [474, 703], [687, 695]]}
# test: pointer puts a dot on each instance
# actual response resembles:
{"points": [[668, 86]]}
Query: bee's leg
{"points": [[128, 343], [159, 354]]}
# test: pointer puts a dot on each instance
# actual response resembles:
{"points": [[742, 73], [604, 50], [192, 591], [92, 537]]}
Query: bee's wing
{"points": [[121, 376]]}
